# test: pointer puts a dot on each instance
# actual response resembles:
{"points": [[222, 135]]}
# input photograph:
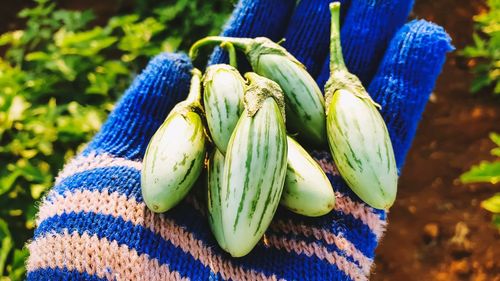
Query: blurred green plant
{"points": [[59, 78], [488, 172], [486, 49]]}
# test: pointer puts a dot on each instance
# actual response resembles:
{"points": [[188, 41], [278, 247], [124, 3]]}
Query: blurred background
{"points": [[63, 64]]}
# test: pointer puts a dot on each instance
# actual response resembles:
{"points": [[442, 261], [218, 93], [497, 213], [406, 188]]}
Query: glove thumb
{"points": [[143, 108]]}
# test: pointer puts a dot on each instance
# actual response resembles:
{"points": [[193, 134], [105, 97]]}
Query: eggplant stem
{"points": [[336, 58], [194, 96], [240, 43], [229, 47]]}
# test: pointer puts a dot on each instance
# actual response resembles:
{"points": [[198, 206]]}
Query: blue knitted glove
{"points": [[94, 225]]}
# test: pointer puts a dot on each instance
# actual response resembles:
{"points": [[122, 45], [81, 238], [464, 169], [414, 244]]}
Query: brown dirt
{"points": [[437, 230]]}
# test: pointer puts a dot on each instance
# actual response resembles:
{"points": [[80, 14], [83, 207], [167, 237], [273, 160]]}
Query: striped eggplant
{"points": [[305, 106], [255, 167], [223, 101], [214, 175], [175, 155], [307, 189], [357, 134]]}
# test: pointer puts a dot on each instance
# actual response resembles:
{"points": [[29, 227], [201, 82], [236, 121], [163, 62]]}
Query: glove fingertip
{"points": [[406, 78], [307, 34], [253, 18], [144, 106], [365, 34]]}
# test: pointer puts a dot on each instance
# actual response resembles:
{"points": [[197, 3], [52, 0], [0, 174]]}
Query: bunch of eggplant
{"points": [[254, 165]]}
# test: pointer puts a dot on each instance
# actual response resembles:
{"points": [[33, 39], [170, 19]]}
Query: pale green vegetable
{"points": [[175, 155], [357, 134], [307, 190], [215, 173], [223, 101], [255, 167]]}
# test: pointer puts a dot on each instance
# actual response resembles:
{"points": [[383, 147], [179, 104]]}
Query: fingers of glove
{"points": [[307, 35], [143, 108], [366, 31], [406, 78], [253, 18]]}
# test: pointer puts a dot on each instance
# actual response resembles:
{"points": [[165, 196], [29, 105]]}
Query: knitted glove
{"points": [[94, 225]]}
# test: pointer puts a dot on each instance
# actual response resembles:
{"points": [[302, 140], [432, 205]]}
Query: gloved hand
{"points": [[94, 225]]}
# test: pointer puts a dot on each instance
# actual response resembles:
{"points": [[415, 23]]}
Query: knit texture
{"points": [[406, 78], [253, 18], [368, 27], [305, 36], [94, 224]]}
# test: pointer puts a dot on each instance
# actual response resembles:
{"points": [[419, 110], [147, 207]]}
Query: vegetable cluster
{"points": [[253, 165]]}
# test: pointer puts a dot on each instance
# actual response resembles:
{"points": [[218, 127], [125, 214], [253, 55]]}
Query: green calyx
{"points": [[253, 48], [344, 80], [340, 77], [264, 46], [258, 90]]}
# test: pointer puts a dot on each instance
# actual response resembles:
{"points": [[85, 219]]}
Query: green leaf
{"points": [[496, 221], [32, 173], [171, 44], [138, 35], [17, 108], [169, 13], [479, 83], [38, 189], [496, 91], [11, 38], [488, 172], [495, 138], [84, 43], [63, 67], [17, 268], [106, 77], [7, 181], [74, 20], [492, 204], [38, 56], [6, 244], [40, 10], [480, 43], [485, 49], [119, 21], [30, 215]]}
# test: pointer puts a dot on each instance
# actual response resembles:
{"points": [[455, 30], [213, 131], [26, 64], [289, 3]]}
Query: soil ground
{"points": [[437, 230]]}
